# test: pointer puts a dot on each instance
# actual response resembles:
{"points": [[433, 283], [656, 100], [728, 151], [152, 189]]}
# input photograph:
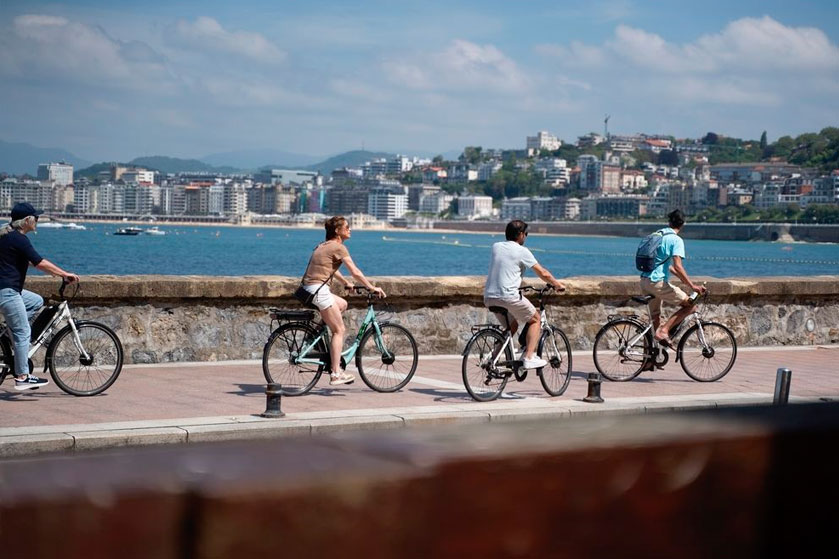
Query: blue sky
{"points": [[113, 80]]}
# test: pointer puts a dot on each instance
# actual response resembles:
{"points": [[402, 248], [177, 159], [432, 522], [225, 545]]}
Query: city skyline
{"points": [[114, 81]]}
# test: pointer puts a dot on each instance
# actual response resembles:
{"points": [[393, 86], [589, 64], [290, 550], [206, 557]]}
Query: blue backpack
{"points": [[645, 260]]}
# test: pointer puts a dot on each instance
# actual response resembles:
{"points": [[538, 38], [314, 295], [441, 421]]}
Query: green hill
{"points": [[174, 165]]}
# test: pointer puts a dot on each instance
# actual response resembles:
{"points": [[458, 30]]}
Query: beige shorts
{"points": [[323, 299], [664, 292], [521, 310]]}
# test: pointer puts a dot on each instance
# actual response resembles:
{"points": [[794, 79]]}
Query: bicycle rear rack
{"points": [[284, 314], [478, 327]]}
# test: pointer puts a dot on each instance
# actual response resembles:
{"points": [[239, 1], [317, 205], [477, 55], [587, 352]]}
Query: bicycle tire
{"points": [[482, 383], [284, 343], [79, 376], [7, 361], [712, 364], [390, 371], [612, 358], [555, 349]]}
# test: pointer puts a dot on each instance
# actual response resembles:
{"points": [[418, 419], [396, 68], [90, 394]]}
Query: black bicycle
{"points": [[488, 360], [625, 346], [84, 357]]}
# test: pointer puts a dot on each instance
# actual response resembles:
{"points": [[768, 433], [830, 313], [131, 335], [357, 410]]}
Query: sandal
{"points": [[665, 341], [341, 378]]}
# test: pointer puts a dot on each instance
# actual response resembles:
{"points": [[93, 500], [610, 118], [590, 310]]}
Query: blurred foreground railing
{"points": [[747, 482]]}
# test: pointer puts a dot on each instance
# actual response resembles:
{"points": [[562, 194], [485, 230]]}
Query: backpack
{"points": [[645, 260]]}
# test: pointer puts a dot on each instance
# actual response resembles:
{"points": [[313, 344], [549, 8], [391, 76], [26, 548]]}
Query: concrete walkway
{"points": [[195, 402]]}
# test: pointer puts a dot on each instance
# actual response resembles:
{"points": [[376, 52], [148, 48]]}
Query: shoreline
{"points": [[624, 229]]}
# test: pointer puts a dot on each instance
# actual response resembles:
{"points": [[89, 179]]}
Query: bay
{"points": [[240, 251]]}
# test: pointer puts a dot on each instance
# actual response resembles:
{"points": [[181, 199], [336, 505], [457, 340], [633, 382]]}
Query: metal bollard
{"points": [[593, 396], [782, 382], [273, 393]]}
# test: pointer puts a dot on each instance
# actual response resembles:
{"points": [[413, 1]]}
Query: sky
{"points": [[114, 79]]}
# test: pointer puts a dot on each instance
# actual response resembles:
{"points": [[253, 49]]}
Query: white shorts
{"points": [[522, 310], [324, 299]]}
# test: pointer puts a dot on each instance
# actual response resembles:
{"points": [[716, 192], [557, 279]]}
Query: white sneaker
{"points": [[535, 363]]}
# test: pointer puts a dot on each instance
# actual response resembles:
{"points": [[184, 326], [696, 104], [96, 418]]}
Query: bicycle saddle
{"points": [[643, 299], [499, 310]]}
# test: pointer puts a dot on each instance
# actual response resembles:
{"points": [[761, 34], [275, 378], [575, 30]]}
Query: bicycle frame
{"points": [[60, 316], [347, 354]]}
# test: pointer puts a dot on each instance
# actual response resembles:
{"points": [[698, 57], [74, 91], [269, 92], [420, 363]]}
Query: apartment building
{"points": [[472, 207], [542, 140], [385, 204], [417, 191], [56, 173], [516, 208]]}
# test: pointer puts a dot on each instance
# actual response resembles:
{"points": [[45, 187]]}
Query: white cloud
{"points": [[61, 50], [205, 34], [462, 65], [740, 65]]}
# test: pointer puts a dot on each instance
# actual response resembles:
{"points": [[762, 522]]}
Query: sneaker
{"points": [[341, 378], [30, 382], [535, 363]]}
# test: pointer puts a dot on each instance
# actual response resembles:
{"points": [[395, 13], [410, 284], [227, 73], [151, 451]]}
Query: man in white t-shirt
{"points": [[507, 264]]}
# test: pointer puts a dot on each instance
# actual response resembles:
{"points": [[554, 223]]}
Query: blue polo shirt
{"points": [[16, 253]]}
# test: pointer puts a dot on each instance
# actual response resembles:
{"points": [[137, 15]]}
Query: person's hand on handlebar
{"points": [[379, 291], [70, 277], [558, 285]]}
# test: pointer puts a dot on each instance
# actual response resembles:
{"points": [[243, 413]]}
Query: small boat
{"points": [[154, 231], [75, 227], [128, 231]]}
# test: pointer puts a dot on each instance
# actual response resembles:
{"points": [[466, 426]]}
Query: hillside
{"points": [[348, 159], [20, 158]]}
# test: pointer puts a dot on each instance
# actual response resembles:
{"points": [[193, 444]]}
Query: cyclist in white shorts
{"points": [[507, 264], [323, 266]]}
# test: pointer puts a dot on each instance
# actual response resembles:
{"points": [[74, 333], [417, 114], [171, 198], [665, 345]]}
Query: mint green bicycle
{"points": [[297, 352]]}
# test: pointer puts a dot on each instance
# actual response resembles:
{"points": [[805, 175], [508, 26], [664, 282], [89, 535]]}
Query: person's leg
{"points": [[32, 302], [14, 311], [678, 316], [674, 296], [333, 319], [533, 334]]}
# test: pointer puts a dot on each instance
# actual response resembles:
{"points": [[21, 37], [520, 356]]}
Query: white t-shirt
{"points": [[507, 263]]}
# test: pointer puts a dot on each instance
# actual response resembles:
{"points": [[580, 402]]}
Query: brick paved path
{"points": [[165, 391]]}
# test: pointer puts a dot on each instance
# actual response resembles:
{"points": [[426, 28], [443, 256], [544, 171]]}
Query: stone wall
{"points": [[196, 318]]}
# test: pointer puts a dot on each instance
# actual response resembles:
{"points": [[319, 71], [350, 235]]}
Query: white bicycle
{"points": [[84, 357]]}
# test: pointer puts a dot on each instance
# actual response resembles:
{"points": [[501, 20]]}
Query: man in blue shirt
{"points": [[657, 282], [507, 263], [18, 305]]}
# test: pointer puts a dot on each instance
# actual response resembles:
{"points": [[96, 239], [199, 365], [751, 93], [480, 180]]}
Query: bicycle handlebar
{"points": [[540, 291]]}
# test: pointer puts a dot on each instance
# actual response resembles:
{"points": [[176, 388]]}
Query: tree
{"points": [[710, 139], [438, 160], [668, 157], [763, 141], [472, 154]]}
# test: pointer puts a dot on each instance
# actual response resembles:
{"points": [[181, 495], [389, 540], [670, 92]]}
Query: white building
{"points": [[554, 170], [386, 205], [56, 173], [472, 207], [141, 176], [542, 140]]}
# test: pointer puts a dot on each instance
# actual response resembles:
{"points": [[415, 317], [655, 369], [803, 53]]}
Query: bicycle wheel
{"points": [[483, 381], [79, 375], [7, 361], [387, 363], [614, 357], [555, 349], [709, 361], [286, 343]]}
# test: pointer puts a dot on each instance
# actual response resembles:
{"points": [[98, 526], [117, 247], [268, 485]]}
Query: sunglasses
{"points": [[526, 233]]}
